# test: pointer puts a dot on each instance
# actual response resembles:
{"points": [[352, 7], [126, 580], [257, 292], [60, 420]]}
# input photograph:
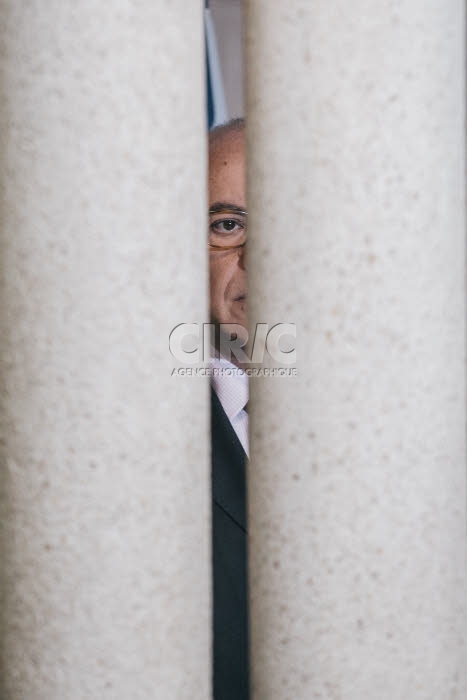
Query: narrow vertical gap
{"points": [[227, 337]]}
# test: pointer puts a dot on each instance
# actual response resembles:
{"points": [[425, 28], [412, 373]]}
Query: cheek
{"points": [[220, 272]]}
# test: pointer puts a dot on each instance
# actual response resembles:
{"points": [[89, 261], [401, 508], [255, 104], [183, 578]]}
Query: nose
{"points": [[242, 257]]}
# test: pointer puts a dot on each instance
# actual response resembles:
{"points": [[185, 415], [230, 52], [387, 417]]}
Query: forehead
{"points": [[227, 169]]}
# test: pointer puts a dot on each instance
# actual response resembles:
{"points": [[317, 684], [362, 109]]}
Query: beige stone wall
{"points": [[105, 504], [357, 227]]}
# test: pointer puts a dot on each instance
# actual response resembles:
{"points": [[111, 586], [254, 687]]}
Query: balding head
{"points": [[228, 278], [234, 126]]}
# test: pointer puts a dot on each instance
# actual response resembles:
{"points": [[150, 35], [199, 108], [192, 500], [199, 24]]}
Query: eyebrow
{"points": [[218, 207]]}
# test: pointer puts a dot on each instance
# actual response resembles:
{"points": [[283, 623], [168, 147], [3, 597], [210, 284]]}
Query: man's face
{"points": [[228, 276]]}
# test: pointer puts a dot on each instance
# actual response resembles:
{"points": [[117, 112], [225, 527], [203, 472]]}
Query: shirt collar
{"points": [[231, 386]]}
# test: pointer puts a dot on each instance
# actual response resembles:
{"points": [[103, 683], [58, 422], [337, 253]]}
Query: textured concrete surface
{"points": [[357, 474], [104, 505]]}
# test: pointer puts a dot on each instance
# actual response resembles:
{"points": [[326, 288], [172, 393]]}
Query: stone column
{"points": [[105, 545], [357, 474]]}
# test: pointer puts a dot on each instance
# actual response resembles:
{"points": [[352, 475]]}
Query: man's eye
{"points": [[226, 226]]}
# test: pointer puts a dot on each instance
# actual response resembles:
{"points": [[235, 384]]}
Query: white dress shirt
{"points": [[231, 386]]}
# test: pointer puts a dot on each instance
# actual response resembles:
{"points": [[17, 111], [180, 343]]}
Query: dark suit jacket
{"points": [[231, 680]]}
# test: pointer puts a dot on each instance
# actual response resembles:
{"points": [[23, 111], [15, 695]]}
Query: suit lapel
{"points": [[228, 465]]}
